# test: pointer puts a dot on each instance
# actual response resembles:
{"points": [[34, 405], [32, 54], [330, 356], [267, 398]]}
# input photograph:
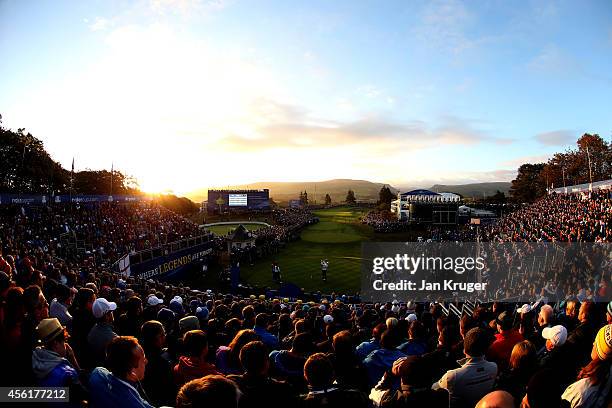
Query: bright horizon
{"points": [[185, 95]]}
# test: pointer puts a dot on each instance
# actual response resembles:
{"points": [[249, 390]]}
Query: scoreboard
{"points": [[229, 200]]}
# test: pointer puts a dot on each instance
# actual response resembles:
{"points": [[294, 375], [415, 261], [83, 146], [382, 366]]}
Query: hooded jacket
{"points": [[52, 370], [189, 369]]}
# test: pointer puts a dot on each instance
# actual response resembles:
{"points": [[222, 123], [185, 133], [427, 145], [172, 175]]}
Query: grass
{"points": [[337, 237], [227, 228]]}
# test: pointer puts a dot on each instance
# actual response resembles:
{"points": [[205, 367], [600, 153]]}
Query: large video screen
{"points": [[238, 200]]}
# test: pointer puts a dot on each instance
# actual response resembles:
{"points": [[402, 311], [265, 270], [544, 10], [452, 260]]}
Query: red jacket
{"points": [[499, 352], [189, 368]]}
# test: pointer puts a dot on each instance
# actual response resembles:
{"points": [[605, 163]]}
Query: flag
{"points": [[73, 165]]}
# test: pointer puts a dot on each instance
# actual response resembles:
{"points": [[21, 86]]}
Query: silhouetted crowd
{"points": [[125, 342]]}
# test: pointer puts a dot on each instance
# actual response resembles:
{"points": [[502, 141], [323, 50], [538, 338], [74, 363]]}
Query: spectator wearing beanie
{"points": [[319, 375], [476, 376], [209, 391], [158, 377], [255, 384], [102, 333], [594, 386], [193, 365], [381, 360], [415, 388], [119, 384], [505, 339], [365, 348]]}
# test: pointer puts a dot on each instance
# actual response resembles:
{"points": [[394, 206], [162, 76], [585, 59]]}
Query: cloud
{"points": [[556, 138], [99, 24], [553, 60], [185, 7]]}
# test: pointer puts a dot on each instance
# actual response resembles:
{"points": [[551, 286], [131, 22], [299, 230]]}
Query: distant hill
{"points": [[475, 190], [285, 191]]}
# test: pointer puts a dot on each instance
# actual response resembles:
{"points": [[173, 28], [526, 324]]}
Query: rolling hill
{"points": [[475, 190]]}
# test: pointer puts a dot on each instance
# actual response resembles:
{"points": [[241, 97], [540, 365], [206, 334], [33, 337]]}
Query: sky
{"points": [[188, 94]]}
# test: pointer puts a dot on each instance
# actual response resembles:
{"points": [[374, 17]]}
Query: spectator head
{"points": [[602, 348], [208, 391], [196, 344], [496, 399], [378, 330], [153, 335], [261, 320], [523, 356], [391, 322], [5, 283], [52, 335], [189, 323], [85, 298], [389, 340], [476, 342], [413, 371], [465, 324], [542, 390], [555, 336], [102, 310], [36, 305], [318, 371], [248, 313], [126, 359], [254, 358], [545, 316], [572, 307], [587, 311], [64, 294], [302, 344], [416, 331], [342, 343], [240, 339], [504, 322], [134, 306]]}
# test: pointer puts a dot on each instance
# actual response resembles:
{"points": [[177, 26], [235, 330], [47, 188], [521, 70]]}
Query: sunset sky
{"points": [[190, 94]]}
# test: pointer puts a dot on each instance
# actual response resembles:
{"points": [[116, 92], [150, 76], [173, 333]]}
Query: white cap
{"points": [[322, 307], [328, 319], [395, 308], [382, 307], [283, 306], [410, 305], [101, 306], [411, 317], [556, 334], [178, 299], [395, 302], [154, 301], [525, 309]]}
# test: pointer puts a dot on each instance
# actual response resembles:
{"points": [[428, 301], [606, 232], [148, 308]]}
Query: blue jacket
{"points": [[380, 361], [106, 391], [365, 348], [267, 338], [413, 348]]}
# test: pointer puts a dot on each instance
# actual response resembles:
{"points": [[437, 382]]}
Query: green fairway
{"points": [[337, 237], [224, 229]]}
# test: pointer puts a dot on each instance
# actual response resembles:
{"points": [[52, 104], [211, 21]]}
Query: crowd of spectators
{"points": [[117, 341], [383, 221]]}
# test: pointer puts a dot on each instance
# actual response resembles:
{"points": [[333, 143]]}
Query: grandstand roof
{"points": [[422, 192], [240, 234]]}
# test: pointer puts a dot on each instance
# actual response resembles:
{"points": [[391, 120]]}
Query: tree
{"points": [[328, 199], [385, 196], [350, 197], [528, 184]]}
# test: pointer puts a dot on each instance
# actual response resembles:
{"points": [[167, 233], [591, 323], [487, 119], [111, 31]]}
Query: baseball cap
{"points": [[411, 317], [101, 306], [328, 319], [189, 323], [556, 334], [154, 301], [505, 320], [526, 308]]}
